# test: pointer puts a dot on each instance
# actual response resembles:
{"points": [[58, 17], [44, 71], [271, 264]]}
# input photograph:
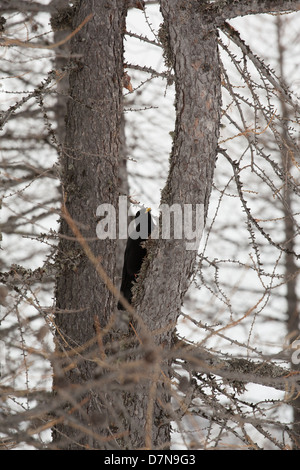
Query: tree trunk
{"points": [[190, 43], [290, 265], [89, 178]]}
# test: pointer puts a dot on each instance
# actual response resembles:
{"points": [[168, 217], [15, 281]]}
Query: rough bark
{"points": [[89, 178]]}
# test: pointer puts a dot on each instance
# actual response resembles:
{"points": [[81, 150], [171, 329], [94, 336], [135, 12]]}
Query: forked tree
{"points": [[126, 382]]}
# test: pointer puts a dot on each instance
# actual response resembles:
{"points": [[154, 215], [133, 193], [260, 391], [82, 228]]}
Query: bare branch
{"points": [[24, 6], [239, 369], [260, 65], [232, 8]]}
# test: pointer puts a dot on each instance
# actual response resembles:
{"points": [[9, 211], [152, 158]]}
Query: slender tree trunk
{"points": [[291, 268], [90, 177]]}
